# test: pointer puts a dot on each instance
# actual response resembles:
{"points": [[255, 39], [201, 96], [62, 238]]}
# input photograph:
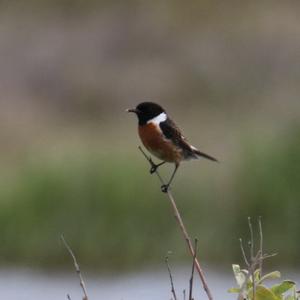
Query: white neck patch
{"points": [[158, 119]]}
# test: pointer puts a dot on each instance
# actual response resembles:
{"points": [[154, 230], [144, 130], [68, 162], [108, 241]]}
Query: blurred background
{"points": [[227, 72]]}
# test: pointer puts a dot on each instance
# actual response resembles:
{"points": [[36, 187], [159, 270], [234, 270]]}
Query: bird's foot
{"points": [[153, 169], [153, 166], [164, 188]]}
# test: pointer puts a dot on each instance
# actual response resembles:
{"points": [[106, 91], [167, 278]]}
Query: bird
{"points": [[163, 139]]}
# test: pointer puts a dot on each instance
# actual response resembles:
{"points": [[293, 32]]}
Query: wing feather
{"points": [[173, 133]]}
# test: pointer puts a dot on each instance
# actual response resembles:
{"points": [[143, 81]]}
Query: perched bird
{"points": [[163, 139]]}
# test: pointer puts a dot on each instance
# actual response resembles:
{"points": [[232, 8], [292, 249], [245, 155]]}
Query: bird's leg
{"points": [[154, 166], [165, 187]]}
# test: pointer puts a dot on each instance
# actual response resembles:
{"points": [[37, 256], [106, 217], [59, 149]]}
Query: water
{"points": [[23, 284]]}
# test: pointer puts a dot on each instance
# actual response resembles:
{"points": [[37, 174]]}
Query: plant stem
{"points": [[184, 232]]}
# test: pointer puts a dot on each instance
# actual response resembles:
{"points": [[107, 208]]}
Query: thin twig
{"points": [[77, 268], [252, 258], [184, 294], [193, 269], [251, 239], [250, 271], [256, 261], [189, 244], [243, 252], [171, 278], [268, 256], [69, 297], [253, 261], [184, 232], [260, 245]]}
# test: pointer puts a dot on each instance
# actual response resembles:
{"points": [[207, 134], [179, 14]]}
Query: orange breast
{"points": [[154, 141]]}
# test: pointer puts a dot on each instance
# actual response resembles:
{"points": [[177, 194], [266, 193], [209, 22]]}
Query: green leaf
{"points": [[263, 293], [257, 275], [239, 275], [233, 290], [272, 275], [282, 287]]}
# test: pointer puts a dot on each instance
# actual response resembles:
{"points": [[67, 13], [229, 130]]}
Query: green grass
{"points": [[112, 212], [268, 185]]}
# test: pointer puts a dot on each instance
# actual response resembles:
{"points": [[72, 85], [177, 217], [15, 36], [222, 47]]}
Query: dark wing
{"points": [[172, 132]]}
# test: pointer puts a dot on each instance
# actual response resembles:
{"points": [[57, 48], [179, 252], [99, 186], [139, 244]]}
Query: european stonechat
{"points": [[162, 138]]}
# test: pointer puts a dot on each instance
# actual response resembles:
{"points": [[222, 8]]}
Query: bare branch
{"points": [[268, 256], [260, 244], [193, 269], [253, 261], [251, 270], [171, 278], [183, 230], [190, 246], [251, 239], [77, 268], [243, 252]]}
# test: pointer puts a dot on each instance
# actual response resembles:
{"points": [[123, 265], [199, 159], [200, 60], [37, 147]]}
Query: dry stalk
{"points": [[193, 269], [253, 261], [260, 244], [183, 230], [171, 278], [77, 268]]}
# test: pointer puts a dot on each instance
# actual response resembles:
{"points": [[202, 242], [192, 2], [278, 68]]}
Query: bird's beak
{"points": [[133, 110]]}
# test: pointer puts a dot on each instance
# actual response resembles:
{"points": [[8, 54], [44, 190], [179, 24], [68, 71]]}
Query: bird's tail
{"points": [[202, 154]]}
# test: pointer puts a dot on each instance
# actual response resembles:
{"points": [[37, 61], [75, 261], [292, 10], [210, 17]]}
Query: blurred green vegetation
{"points": [[70, 68], [113, 214], [268, 185], [111, 211]]}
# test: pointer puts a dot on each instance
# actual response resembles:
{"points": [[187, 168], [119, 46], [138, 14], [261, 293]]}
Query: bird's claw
{"points": [[153, 169], [153, 166], [165, 188]]}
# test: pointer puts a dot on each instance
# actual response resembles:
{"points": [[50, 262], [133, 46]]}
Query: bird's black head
{"points": [[146, 111]]}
